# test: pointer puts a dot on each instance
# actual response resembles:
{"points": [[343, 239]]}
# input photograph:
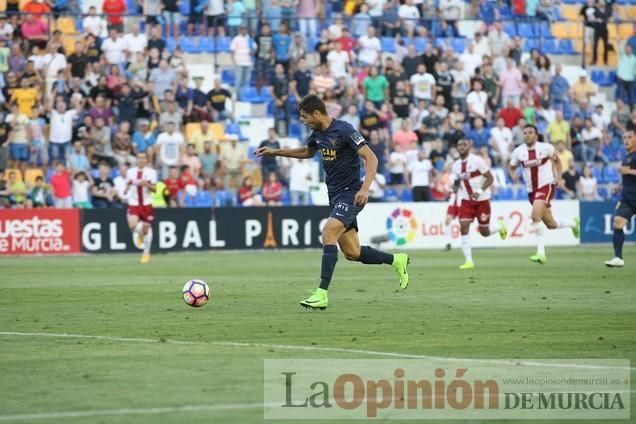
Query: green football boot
{"points": [[540, 259], [400, 262], [576, 230], [318, 300]]}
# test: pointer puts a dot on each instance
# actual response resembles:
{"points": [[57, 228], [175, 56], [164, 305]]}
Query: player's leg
{"points": [[350, 245], [624, 213], [486, 228], [448, 230], [147, 234], [464, 229], [136, 227], [539, 209], [331, 232], [554, 223]]}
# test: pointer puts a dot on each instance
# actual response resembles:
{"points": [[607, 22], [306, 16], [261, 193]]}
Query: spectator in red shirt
{"points": [[186, 178], [272, 190], [61, 185], [115, 8], [248, 195], [346, 42], [37, 7], [511, 114], [172, 183]]}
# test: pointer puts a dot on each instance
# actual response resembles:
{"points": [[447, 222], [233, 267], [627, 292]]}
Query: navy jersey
{"points": [[338, 146], [629, 181]]}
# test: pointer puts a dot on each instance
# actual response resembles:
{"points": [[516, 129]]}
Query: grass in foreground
{"points": [[572, 307]]}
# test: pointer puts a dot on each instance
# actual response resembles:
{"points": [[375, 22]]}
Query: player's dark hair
{"points": [[536, 131], [311, 103]]}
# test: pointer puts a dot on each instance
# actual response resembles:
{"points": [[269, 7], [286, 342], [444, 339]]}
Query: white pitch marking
{"points": [[133, 411], [314, 348]]}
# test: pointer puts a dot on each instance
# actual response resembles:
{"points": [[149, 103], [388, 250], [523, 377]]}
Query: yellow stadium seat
{"points": [[191, 128], [571, 13], [66, 24], [218, 130], [17, 172], [69, 44], [559, 30], [567, 30], [31, 174], [626, 30]]}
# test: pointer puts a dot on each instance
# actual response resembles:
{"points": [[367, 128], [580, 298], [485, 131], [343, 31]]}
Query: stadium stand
{"points": [[132, 76]]}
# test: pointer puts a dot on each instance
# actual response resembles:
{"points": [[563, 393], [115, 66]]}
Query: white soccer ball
{"points": [[196, 293]]}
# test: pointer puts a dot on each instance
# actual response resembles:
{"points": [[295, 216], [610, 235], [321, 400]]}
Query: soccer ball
{"points": [[196, 293]]}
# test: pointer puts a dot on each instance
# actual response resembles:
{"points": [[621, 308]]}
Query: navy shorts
{"points": [[343, 209], [626, 209]]}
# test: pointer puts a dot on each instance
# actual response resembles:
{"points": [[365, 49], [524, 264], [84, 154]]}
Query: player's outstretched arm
{"points": [[304, 152]]}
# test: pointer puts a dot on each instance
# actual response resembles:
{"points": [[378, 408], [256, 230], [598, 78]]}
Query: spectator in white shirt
{"points": [[477, 101], [338, 60], [418, 177], [170, 144], [471, 59], [113, 48], [501, 141], [299, 181], [422, 84], [135, 42], [482, 48], [370, 48], [52, 62], [498, 39], [93, 24], [242, 47], [410, 15], [61, 131]]}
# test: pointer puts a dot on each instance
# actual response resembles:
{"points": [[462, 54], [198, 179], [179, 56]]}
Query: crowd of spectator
{"points": [[72, 121]]}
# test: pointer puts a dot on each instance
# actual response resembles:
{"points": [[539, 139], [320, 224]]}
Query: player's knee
{"points": [[551, 225], [619, 223], [484, 231], [350, 256]]}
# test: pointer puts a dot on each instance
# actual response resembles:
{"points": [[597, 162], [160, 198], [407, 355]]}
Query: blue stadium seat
{"points": [[530, 44], [458, 45], [223, 44], [505, 193], [420, 44], [188, 201], [50, 172], [611, 175], [567, 47], [388, 44], [407, 195], [235, 129], [442, 42], [526, 30], [189, 45], [556, 12], [522, 193], [390, 194], [285, 198], [549, 46], [228, 77], [265, 94], [544, 30], [224, 198], [249, 94], [203, 199], [599, 77], [206, 45], [611, 78], [603, 192], [598, 174], [510, 28]]}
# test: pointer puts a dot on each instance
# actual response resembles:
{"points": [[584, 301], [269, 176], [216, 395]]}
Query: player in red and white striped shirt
{"points": [[141, 181], [473, 179], [452, 212], [541, 173]]}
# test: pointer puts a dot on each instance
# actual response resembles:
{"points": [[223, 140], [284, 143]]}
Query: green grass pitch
{"points": [[572, 307]]}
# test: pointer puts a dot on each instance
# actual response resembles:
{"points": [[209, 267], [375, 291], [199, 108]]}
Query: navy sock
{"points": [[368, 255], [329, 259], [618, 240]]}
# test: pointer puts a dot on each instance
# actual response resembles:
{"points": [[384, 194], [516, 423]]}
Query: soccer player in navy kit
{"points": [[341, 147], [626, 207]]}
